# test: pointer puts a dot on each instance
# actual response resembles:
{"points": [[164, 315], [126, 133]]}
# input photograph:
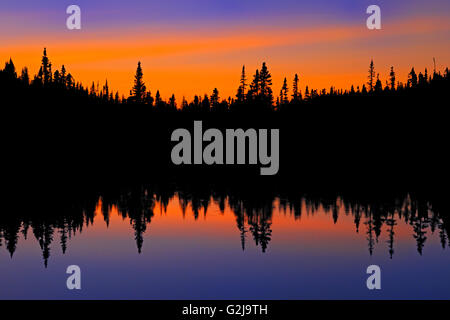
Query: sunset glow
{"points": [[188, 58]]}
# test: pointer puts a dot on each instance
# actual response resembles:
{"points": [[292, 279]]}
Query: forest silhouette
{"points": [[254, 94], [252, 212]]}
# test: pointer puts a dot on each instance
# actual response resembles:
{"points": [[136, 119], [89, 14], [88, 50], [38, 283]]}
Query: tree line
{"points": [[255, 93], [253, 216]]}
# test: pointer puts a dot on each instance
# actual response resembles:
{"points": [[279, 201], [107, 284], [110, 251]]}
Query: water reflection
{"points": [[253, 216]]}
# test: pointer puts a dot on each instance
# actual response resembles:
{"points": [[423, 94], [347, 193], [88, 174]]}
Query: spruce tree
{"points": [[265, 80], [295, 92], [371, 77], [412, 78], [10, 69], [139, 85], [45, 68], [284, 93], [392, 78], [243, 84], [215, 97], [254, 87]]}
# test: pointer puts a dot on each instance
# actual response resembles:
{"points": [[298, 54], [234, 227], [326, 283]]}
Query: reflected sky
{"points": [[186, 253]]}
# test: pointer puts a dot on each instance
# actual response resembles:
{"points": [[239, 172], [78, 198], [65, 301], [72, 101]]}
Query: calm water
{"points": [[178, 247]]}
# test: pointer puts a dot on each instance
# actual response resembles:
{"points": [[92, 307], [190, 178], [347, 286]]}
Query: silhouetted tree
{"points": [[254, 87], [265, 80], [10, 69], [64, 77], [392, 78], [364, 90], [284, 93], [70, 81], [172, 102], [106, 90], [371, 76], [45, 68], [215, 98], [243, 85], [296, 95], [412, 78], [391, 223], [139, 85], [307, 96], [158, 99]]}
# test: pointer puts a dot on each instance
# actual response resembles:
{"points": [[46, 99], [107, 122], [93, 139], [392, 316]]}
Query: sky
{"points": [[189, 47]]}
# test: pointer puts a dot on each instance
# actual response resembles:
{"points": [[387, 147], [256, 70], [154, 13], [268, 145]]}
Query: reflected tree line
{"points": [[253, 216], [253, 93]]}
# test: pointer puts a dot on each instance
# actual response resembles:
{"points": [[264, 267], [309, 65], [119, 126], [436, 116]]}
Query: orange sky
{"points": [[187, 61]]}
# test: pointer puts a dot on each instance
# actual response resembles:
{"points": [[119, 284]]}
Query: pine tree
{"points": [[254, 87], [364, 90], [63, 76], [172, 102], [243, 85], [93, 92], [45, 68], [332, 91], [412, 78], [265, 79], [158, 99], [392, 78], [106, 89], [215, 97], [70, 81], [56, 78], [10, 69], [295, 92], [284, 93], [371, 76], [139, 85]]}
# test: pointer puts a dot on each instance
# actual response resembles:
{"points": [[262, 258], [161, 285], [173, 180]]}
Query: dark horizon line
{"points": [[140, 94]]}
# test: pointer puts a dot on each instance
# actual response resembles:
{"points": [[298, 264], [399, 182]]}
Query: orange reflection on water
{"points": [[318, 226]]}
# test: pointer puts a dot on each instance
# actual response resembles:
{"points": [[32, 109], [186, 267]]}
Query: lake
{"points": [[145, 243]]}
